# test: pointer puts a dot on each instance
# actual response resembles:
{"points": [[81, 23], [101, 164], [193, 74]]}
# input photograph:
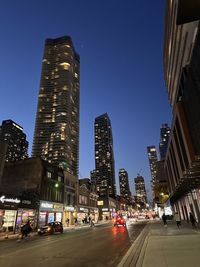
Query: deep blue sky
{"points": [[121, 48]]}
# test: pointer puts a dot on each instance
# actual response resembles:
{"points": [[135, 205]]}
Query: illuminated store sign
{"points": [[3, 199], [105, 209], [84, 210], [46, 205], [69, 208]]}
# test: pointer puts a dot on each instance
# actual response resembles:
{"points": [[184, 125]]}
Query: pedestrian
{"points": [[192, 220], [75, 221], [25, 229], [67, 221], [91, 222], [164, 218], [177, 219]]}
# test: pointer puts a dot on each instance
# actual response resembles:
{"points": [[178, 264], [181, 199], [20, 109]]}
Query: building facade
{"points": [[124, 185], [14, 145], [56, 136], [140, 189], [87, 208], [164, 140], [152, 156], [48, 191], [182, 72], [104, 157]]}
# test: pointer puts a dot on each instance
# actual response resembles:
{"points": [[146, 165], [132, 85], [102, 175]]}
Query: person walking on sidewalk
{"points": [[177, 219], [192, 220], [164, 218]]}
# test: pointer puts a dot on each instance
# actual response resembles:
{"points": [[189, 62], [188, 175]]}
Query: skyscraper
{"points": [[104, 156], [140, 189], [124, 184], [164, 140], [13, 141], [56, 136], [152, 155]]}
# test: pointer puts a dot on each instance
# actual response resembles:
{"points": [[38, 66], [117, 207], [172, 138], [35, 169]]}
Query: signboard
{"points": [[46, 205], [84, 209], [5, 200], [100, 203], [69, 208], [104, 209]]}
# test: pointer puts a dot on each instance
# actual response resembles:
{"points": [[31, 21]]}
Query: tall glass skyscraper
{"points": [[152, 155], [164, 140], [104, 157], [56, 136], [124, 184]]}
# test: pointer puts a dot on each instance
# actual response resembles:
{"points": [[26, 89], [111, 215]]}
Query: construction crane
{"points": [[138, 174]]}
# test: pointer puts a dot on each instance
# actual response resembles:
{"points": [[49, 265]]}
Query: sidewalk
{"points": [[159, 246], [4, 236]]}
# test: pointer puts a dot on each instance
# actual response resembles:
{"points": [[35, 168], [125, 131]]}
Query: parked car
{"points": [[51, 228], [119, 220]]}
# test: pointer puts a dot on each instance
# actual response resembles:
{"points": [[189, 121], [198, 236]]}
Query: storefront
{"points": [[26, 212], [15, 212], [94, 214], [69, 214], [50, 212], [84, 213]]}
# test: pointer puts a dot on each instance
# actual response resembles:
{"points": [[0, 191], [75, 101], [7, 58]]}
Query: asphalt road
{"points": [[96, 247]]}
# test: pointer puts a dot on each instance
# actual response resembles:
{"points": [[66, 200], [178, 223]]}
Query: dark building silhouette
{"points": [[182, 76], [164, 140], [124, 185], [14, 145], [140, 189], [56, 136], [104, 157]]}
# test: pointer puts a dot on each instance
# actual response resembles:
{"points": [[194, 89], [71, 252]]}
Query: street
{"points": [[104, 245]]}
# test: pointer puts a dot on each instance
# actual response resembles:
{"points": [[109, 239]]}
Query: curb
{"points": [[136, 250]]}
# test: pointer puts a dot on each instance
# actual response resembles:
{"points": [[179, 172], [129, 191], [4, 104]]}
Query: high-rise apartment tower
{"points": [[152, 155], [104, 157], [124, 184], [13, 141], [56, 136]]}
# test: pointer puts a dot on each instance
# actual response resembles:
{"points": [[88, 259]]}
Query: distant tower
{"points": [[164, 139], [152, 155], [104, 156], [16, 145], [56, 136], [124, 184], [140, 189]]}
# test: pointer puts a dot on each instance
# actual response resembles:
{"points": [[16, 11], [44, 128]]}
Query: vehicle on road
{"points": [[51, 228], [119, 220]]}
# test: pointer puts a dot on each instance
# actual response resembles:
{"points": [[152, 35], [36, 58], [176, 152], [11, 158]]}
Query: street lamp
{"points": [[56, 185]]}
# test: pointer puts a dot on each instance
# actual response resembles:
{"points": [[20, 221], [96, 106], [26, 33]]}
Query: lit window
{"points": [[49, 174], [65, 65]]}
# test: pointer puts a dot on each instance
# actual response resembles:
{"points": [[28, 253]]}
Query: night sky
{"points": [[121, 49]]}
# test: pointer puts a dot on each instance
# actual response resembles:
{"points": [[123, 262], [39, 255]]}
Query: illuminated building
{"points": [[140, 189], [152, 156], [164, 139], [13, 141], [56, 136], [124, 185], [104, 157]]}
